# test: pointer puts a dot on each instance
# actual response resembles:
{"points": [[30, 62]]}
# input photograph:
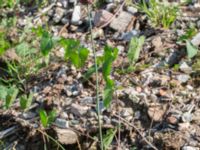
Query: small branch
{"points": [[7, 132], [137, 130]]}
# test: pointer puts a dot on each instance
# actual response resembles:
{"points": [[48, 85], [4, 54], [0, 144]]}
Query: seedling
{"points": [[159, 14], [108, 137], [134, 49], [74, 52], [8, 95], [110, 54], [47, 119], [25, 102]]}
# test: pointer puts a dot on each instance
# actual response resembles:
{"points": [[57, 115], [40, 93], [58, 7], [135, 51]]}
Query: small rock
{"points": [[137, 115], [196, 40], [107, 120], [121, 22], [189, 148], [187, 117], [10, 55], [98, 33], [65, 21], [28, 115], [66, 136], [62, 123], [63, 3], [157, 43], [184, 126], [76, 16], [109, 1], [73, 1], [185, 68], [59, 13], [78, 110], [172, 120], [156, 112], [110, 7], [128, 35], [102, 17], [86, 100], [183, 78], [132, 10], [121, 49], [127, 112]]}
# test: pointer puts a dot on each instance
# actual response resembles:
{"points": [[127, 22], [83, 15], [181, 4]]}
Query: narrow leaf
{"points": [[43, 118]]}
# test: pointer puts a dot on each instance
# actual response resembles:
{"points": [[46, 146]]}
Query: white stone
{"points": [[185, 68], [76, 15], [196, 40], [62, 123]]}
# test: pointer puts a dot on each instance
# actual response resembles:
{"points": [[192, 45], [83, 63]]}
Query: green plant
{"points": [[74, 52], [4, 44], [8, 95], [188, 34], [108, 137], [110, 54], [191, 49], [47, 119], [134, 49], [25, 101], [159, 13], [8, 3]]}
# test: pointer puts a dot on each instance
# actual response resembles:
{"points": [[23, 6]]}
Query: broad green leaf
{"points": [[43, 118], [46, 43], [75, 52], [51, 116], [108, 137], [135, 47], [191, 49], [11, 96], [3, 92], [23, 49], [25, 102]]}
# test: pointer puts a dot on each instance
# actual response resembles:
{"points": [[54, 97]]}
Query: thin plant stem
{"points": [[48, 136], [97, 82]]}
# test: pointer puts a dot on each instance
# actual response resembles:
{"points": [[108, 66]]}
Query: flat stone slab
{"points": [[121, 22]]}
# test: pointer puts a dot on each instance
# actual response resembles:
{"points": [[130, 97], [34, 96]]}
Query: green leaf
{"points": [[191, 49], [110, 54], [188, 35], [108, 92], [135, 47], [43, 118], [11, 96], [108, 137], [46, 43], [4, 44], [52, 116], [25, 102], [75, 52], [23, 49], [3, 92]]}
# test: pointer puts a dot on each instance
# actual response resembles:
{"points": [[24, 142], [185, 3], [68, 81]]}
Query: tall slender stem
{"points": [[97, 82]]}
